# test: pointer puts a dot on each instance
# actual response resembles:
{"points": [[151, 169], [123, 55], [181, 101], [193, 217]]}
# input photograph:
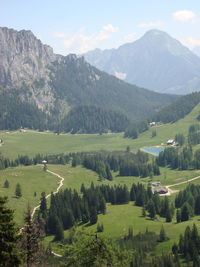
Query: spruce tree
{"points": [[6, 184], [59, 234], [143, 212], [162, 235], [185, 212], [178, 216], [93, 215], [43, 203], [32, 233], [18, 190], [175, 249], [168, 215], [9, 255], [151, 209]]}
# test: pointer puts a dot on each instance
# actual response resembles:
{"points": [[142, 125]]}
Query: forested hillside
{"points": [[79, 83], [15, 113], [178, 109], [93, 119]]}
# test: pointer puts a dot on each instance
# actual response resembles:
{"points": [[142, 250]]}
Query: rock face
{"points": [[25, 60], [156, 61]]}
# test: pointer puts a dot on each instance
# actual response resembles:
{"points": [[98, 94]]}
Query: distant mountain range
{"points": [[156, 61], [31, 73], [196, 50]]}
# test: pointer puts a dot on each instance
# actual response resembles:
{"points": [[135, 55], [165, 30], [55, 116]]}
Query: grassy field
{"points": [[32, 179], [49, 143], [120, 217], [16, 143]]}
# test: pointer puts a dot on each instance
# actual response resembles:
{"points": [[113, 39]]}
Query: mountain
{"points": [[196, 50], [55, 84], [155, 61]]}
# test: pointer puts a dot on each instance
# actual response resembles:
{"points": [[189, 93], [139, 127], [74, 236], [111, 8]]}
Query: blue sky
{"points": [[75, 26]]}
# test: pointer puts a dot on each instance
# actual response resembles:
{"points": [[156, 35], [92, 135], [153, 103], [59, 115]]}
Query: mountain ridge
{"points": [[56, 83], [156, 60]]}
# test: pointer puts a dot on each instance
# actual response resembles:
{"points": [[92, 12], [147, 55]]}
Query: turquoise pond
{"points": [[153, 150]]}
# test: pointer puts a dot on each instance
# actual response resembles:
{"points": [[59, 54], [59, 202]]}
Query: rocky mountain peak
{"points": [[156, 61], [23, 57]]}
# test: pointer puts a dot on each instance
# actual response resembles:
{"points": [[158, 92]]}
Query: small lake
{"points": [[153, 150]]}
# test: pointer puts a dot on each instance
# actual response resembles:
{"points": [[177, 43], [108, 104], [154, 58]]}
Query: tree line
{"points": [[189, 246], [103, 163], [69, 208], [187, 202], [93, 119], [135, 128], [152, 203], [37, 159], [178, 109], [126, 163], [179, 158]]}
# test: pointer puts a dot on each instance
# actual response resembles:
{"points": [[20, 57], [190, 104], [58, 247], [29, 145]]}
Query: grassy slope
{"points": [[119, 218], [32, 179], [22, 143]]}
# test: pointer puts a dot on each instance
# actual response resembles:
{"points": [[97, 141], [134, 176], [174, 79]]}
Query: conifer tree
{"points": [[43, 203], [32, 233], [185, 212], [162, 235], [59, 234], [143, 212], [175, 248], [178, 216], [6, 184], [18, 190], [9, 255], [93, 215], [102, 205], [151, 209], [168, 215]]}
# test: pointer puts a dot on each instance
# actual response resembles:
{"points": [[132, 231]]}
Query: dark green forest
{"points": [[178, 109], [15, 113], [93, 119]]}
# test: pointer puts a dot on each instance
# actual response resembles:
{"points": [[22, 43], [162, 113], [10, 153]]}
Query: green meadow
{"points": [[32, 179], [32, 142], [119, 217]]}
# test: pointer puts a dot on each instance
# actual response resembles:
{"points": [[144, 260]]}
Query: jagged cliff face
{"points": [[24, 60]]}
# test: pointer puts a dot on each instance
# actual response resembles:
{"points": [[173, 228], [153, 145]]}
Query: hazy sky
{"points": [[76, 26]]}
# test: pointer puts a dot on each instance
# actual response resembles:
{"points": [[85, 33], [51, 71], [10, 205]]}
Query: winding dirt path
{"points": [[170, 191], [60, 184], [57, 190]]}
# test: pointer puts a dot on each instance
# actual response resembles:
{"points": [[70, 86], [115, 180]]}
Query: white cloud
{"points": [[59, 35], [81, 43], [185, 16], [130, 37], [191, 42], [110, 28], [150, 24]]}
